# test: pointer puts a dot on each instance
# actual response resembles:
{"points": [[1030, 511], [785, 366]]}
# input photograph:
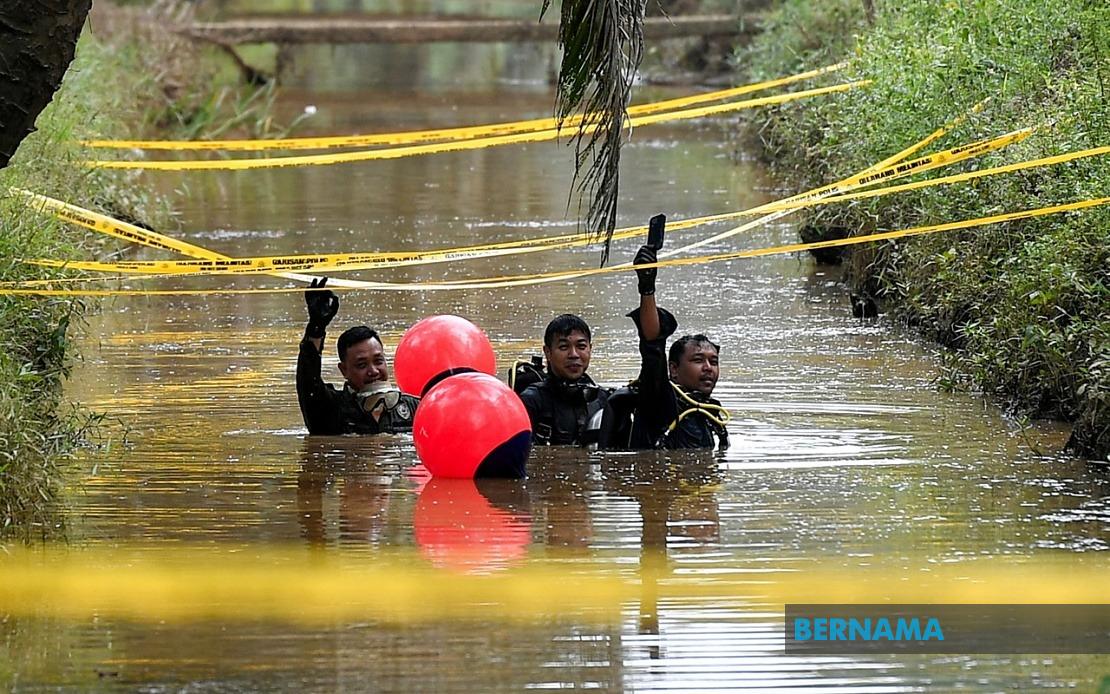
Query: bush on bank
{"points": [[38, 432], [130, 77], [1024, 306]]}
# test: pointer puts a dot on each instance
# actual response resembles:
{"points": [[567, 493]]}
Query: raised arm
{"points": [[312, 395], [645, 279], [656, 404]]}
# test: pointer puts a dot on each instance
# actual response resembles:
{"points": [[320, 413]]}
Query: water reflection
{"points": [[472, 527], [677, 505], [365, 494]]}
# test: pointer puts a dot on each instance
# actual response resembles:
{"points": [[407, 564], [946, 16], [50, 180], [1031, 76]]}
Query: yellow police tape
{"points": [[142, 236], [455, 133], [152, 239], [946, 180], [869, 177], [956, 154], [489, 583], [130, 232], [927, 140], [538, 278], [361, 261], [455, 145], [113, 227]]}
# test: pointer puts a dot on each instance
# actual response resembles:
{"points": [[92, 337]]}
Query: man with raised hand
{"points": [[674, 407], [367, 403]]}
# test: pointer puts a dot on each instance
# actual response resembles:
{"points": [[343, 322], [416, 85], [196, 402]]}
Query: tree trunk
{"points": [[37, 42], [295, 30]]}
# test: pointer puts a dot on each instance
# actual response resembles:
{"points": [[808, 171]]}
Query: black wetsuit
{"points": [[328, 410], [658, 405], [561, 410]]}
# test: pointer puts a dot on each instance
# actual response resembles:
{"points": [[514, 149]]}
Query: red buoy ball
{"points": [[472, 425], [437, 347]]}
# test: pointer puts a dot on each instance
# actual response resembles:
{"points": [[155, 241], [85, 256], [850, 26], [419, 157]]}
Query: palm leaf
{"points": [[602, 44]]}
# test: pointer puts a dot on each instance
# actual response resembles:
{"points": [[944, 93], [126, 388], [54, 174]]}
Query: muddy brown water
{"points": [[843, 451]]}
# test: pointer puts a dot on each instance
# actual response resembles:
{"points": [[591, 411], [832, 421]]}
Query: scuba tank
{"points": [[525, 373], [615, 428]]}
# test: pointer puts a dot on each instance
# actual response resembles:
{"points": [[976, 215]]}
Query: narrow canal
{"points": [[844, 453]]}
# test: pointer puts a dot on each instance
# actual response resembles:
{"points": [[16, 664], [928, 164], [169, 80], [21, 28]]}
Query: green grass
{"points": [[1024, 306], [38, 430]]}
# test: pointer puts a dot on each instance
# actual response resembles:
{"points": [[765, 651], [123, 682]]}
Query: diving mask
{"points": [[378, 397]]}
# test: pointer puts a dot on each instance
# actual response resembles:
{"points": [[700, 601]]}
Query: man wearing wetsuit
{"points": [[674, 404], [563, 403], [368, 403]]}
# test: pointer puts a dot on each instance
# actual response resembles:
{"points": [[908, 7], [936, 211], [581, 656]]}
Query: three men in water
{"points": [[670, 405], [368, 403]]}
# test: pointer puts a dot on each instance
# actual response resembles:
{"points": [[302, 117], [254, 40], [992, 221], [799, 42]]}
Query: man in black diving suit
{"points": [[672, 401], [562, 405], [368, 403]]}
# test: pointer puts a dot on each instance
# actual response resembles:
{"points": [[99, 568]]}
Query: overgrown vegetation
{"points": [[1024, 307], [129, 77], [38, 432]]}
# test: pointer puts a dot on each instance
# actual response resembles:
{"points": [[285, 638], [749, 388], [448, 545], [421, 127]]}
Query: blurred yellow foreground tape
{"points": [[300, 585]]}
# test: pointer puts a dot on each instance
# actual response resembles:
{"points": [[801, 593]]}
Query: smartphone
{"points": [[655, 231]]}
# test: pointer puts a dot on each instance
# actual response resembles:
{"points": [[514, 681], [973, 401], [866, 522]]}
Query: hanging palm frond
{"points": [[602, 44]]}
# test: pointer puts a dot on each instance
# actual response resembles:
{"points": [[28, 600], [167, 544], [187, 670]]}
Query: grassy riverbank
{"points": [[130, 77], [1023, 307], [38, 431]]}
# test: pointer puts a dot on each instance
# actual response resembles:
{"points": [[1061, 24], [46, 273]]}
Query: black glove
{"points": [[322, 307], [646, 277]]}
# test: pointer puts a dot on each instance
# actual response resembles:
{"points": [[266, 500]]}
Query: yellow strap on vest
{"points": [[718, 414]]}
